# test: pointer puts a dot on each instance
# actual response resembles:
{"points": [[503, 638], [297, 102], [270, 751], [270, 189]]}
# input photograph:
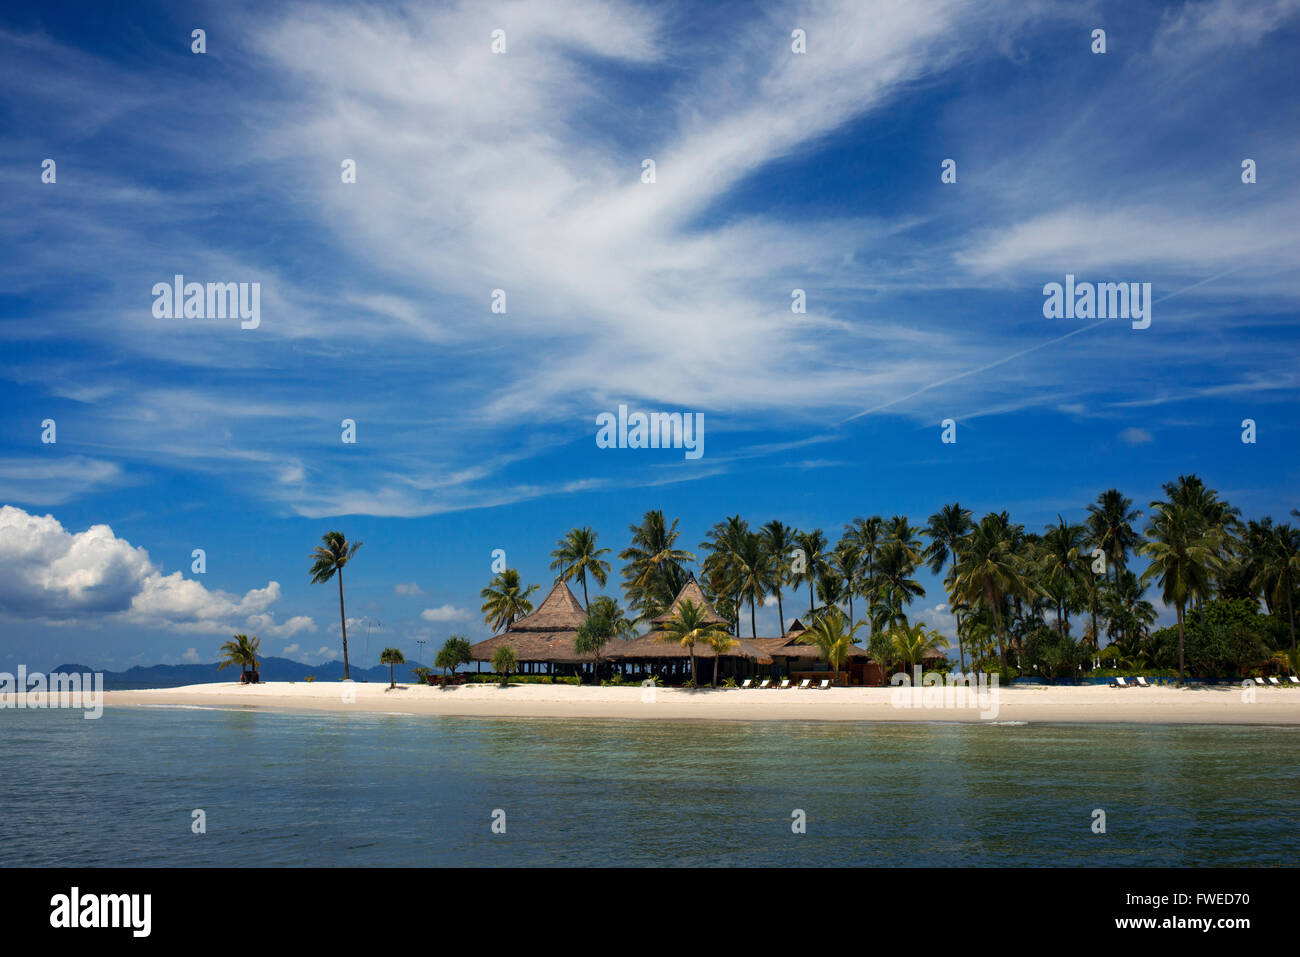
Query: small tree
{"points": [[242, 651], [390, 657], [454, 653], [504, 662], [593, 635]]}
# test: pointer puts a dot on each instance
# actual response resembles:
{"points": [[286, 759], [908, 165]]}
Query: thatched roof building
{"points": [[546, 634], [654, 646]]}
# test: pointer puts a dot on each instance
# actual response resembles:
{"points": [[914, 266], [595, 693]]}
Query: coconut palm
{"points": [[1280, 570], [752, 567], [779, 540], [390, 657], [505, 600], [1183, 550], [690, 626], [576, 556], [603, 606], [1058, 564], [947, 530], [832, 635], [504, 661], [895, 586], [867, 534], [1110, 527], [813, 545], [328, 561], [721, 643], [653, 574], [723, 543], [846, 560], [913, 643], [242, 651], [987, 571]]}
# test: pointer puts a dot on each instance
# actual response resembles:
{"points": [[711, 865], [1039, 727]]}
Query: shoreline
{"points": [[1097, 704]]}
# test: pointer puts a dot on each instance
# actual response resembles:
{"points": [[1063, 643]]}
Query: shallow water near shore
{"points": [[304, 789]]}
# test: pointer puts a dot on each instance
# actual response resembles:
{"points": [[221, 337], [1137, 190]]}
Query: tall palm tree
{"points": [[947, 530], [690, 626], [831, 633], [895, 566], [653, 574], [242, 651], [721, 572], [987, 571], [846, 560], [1110, 527], [1059, 552], [603, 606], [328, 561], [752, 567], [505, 600], [1280, 570], [576, 555], [780, 540], [813, 545], [1183, 551]]}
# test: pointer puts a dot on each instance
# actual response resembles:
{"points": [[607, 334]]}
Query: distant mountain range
{"points": [[270, 669]]}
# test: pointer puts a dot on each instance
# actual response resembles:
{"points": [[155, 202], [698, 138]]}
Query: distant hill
{"points": [[271, 669]]}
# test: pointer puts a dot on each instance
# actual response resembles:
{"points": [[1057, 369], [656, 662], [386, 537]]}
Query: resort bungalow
{"points": [[542, 640]]}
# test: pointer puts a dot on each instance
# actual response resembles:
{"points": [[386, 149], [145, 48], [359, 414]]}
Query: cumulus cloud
{"points": [[445, 613], [49, 573], [407, 588]]}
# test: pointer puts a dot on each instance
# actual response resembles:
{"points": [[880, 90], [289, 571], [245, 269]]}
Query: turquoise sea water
{"points": [[317, 789]]}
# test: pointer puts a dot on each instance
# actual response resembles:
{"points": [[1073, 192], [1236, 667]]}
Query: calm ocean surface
{"points": [[318, 789]]}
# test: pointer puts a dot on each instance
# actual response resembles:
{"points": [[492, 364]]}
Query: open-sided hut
{"points": [[543, 637]]}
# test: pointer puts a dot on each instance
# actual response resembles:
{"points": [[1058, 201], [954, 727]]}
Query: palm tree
{"points": [[1280, 570], [505, 600], [721, 643], [1183, 550], [1058, 563], [454, 652], [329, 560], [576, 554], [721, 572], [947, 530], [912, 643], [602, 606], [690, 626], [242, 651], [846, 560], [653, 574], [390, 657], [829, 634], [895, 586], [779, 539], [504, 662], [988, 570], [752, 565], [813, 546], [1110, 527]]}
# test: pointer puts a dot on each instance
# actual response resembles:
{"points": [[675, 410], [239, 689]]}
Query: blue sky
{"points": [[521, 171]]}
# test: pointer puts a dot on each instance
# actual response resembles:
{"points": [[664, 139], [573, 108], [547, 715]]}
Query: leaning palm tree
{"points": [[831, 633], [1280, 570], [329, 560], [242, 651], [1183, 551], [947, 530], [390, 657], [690, 626], [576, 556], [779, 540], [505, 599]]}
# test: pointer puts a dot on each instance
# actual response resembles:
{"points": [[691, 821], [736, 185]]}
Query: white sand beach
{"points": [[1087, 704]]}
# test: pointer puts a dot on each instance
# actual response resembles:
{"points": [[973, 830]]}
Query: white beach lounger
{"points": [[1274, 682], [1293, 679], [1142, 682], [748, 683], [785, 683], [765, 683], [1261, 681], [805, 683], [1119, 682], [826, 683]]}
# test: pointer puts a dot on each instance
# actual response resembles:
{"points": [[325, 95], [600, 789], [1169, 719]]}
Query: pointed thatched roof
{"points": [[796, 628], [693, 592], [559, 611]]}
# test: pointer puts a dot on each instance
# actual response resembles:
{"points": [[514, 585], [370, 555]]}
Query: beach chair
{"points": [[785, 683], [805, 683], [1293, 679], [765, 683], [748, 683], [1261, 681], [1142, 682], [1274, 682], [1119, 682], [826, 683]]}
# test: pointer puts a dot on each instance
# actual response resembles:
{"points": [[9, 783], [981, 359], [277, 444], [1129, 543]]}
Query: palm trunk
{"points": [[753, 627], [693, 663], [392, 681], [586, 605], [716, 656], [1291, 615], [343, 620], [1180, 643], [781, 611], [961, 647]]}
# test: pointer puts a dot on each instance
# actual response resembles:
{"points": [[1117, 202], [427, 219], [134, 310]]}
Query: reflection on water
{"points": [[320, 789]]}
